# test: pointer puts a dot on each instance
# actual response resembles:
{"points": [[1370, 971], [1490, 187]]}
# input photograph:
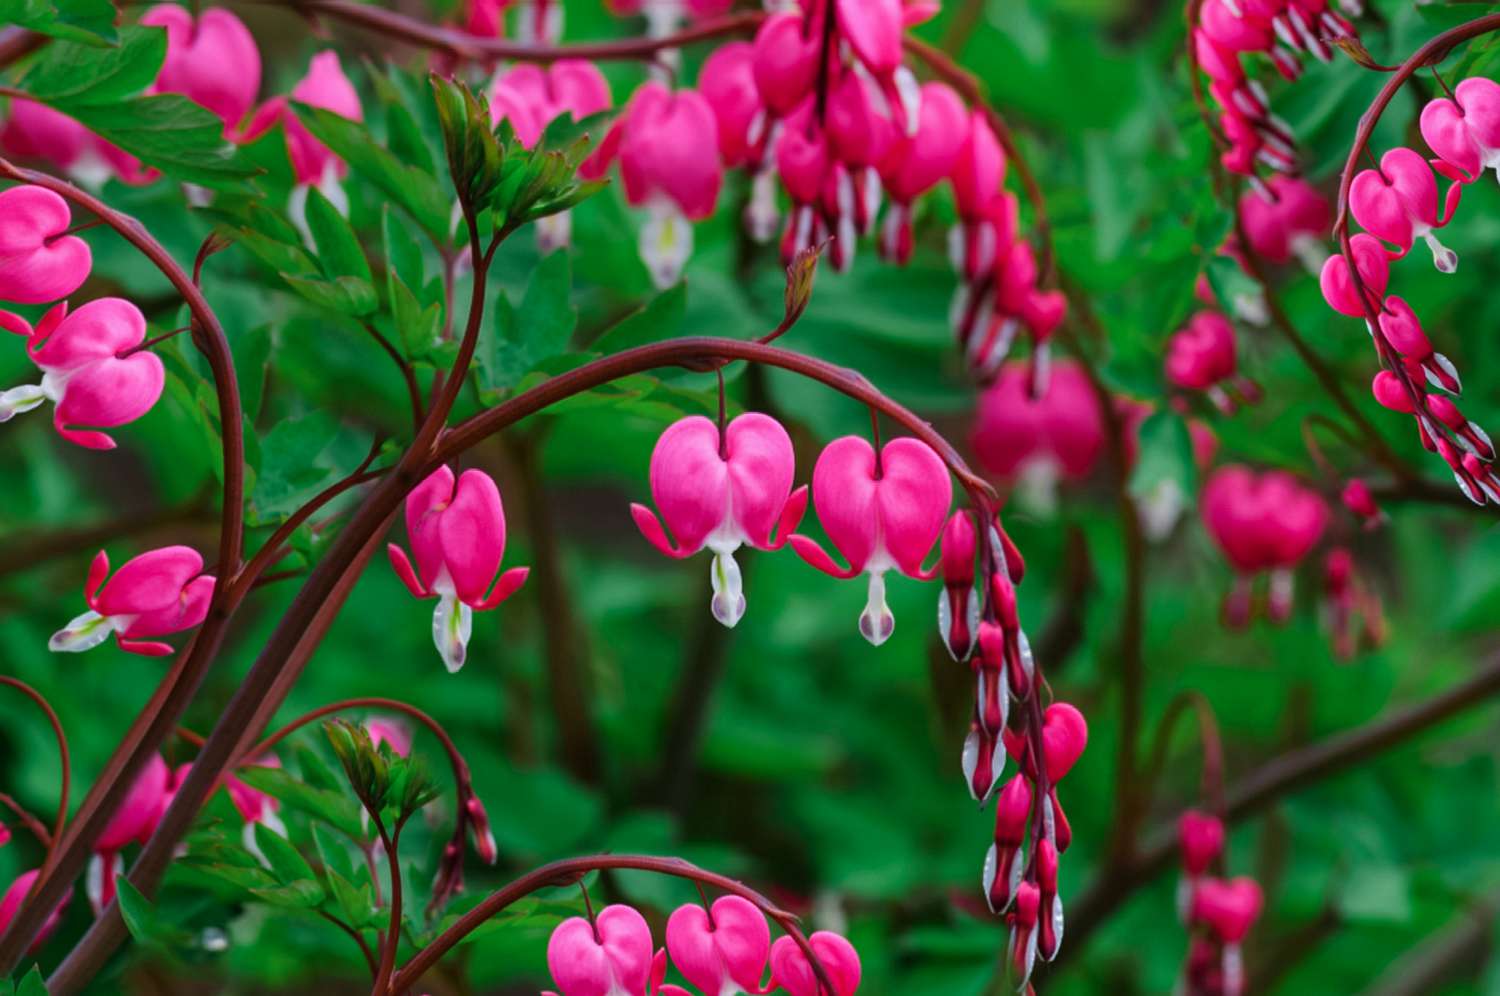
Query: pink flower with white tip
{"points": [[881, 511], [212, 60], [721, 950], [611, 956], [1037, 440], [667, 143], [39, 262], [791, 970], [1228, 909], [457, 533], [1399, 203], [916, 164], [133, 823], [1287, 217], [1201, 357], [1065, 734], [158, 593], [722, 492], [1403, 330], [1200, 839], [978, 171], [91, 369], [1464, 130], [1261, 522], [1374, 269]]}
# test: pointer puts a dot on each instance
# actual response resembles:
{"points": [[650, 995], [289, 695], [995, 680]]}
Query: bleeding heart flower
{"points": [[568, 86], [1039, 438], [917, 163], [1265, 522], [1399, 202], [1228, 908], [1201, 838], [1202, 353], [722, 951], [1401, 328], [1065, 733], [16, 894], [727, 82], [1002, 870], [1374, 269], [90, 367], [38, 262], [1465, 131], [160, 592], [721, 492], [785, 61], [609, 957], [880, 512], [791, 970], [133, 823], [1286, 217], [212, 60], [958, 606], [457, 534]]}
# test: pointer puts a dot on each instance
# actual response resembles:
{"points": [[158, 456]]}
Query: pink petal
{"points": [[139, 811], [472, 533], [32, 271], [98, 330], [153, 580], [914, 496], [405, 572], [690, 483], [423, 506], [188, 611], [761, 467], [110, 392]]}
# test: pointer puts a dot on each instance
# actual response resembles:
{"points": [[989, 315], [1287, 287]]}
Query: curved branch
{"points": [[64, 763], [569, 871]]}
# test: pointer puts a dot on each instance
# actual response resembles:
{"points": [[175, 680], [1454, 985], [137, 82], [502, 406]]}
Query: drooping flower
{"points": [[791, 970], [1261, 522], [1403, 330], [1039, 439], [457, 533], [38, 262], [1465, 130], [722, 949], [881, 512], [90, 369], [1201, 356], [16, 894], [1286, 217], [133, 823], [1228, 909], [1374, 270], [1399, 203], [1361, 504], [1200, 839], [212, 60], [157, 593], [667, 143], [1002, 869], [610, 957], [916, 163], [958, 606], [1065, 734], [720, 492]]}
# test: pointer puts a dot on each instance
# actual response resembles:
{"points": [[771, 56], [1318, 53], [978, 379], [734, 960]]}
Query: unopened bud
{"points": [[484, 840], [1201, 837], [1359, 501]]}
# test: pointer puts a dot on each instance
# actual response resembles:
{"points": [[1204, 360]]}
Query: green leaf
{"points": [[297, 895], [171, 133], [89, 21], [356, 903], [69, 74], [333, 852], [419, 327], [143, 920], [291, 468], [1166, 457], [518, 341], [32, 984], [659, 318], [348, 295], [339, 811], [406, 138], [417, 191], [339, 254], [287, 863]]}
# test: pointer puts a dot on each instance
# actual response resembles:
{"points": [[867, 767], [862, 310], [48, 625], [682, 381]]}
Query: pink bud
{"points": [[212, 61], [1391, 393], [1358, 500], [1201, 838], [978, 169], [959, 547], [1065, 733], [610, 957], [1202, 353], [457, 534], [1228, 908], [1013, 812], [1374, 273], [791, 970], [484, 838], [4, 836], [722, 952], [880, 513], [1219, 25], [37, 262]]}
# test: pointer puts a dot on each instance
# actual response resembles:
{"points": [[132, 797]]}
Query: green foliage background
{"points": [[824, 771]]}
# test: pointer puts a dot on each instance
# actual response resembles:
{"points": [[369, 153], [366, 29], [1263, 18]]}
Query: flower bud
{"points": [[1201, 838], [484, 840]]}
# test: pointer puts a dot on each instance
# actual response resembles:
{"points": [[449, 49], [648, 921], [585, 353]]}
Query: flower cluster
{"points": [[722, 487], [93, 365], [1218, 911], [723, 948], [980, 625], [1263, 523], [1397, 203]]}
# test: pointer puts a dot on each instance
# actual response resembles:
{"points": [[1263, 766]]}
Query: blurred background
{"points": [[603, 709]]}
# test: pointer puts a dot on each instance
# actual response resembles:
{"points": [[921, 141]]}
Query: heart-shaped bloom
{"points": [[1202, 353], [723, 950], [90, 369], [917, 163], [880, 512], [457, 534], [785, 61], [160, 592], [1399, 203], [325, 86], [1374, 268], [1229, 908], [38, 262], [1037, 439], [212, 60], [791, 970], [16, 894], [1261, 522], [1065, 734], [1465, 131], [1286, 217], [721, 492], [133, 823], [1403, 330], [568, 86], [609, 957], [1201, 839], [727, 82]]}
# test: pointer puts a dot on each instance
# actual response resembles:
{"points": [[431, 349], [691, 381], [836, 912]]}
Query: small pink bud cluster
{"points": [[1397, 203], [1219, 912], [1201, 357], [720, 949], [158, 593], [1353, 613], [211, 59], [473, 822], [94, 369], [1044, 743], [1037, 438], [724, 488], [1263, 523], [456, 527], [1283, 30]]}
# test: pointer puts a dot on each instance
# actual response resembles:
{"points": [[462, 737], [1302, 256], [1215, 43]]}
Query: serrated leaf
{"points": [[417, 191], [339, 254], [517, 341], [69, 74]]}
